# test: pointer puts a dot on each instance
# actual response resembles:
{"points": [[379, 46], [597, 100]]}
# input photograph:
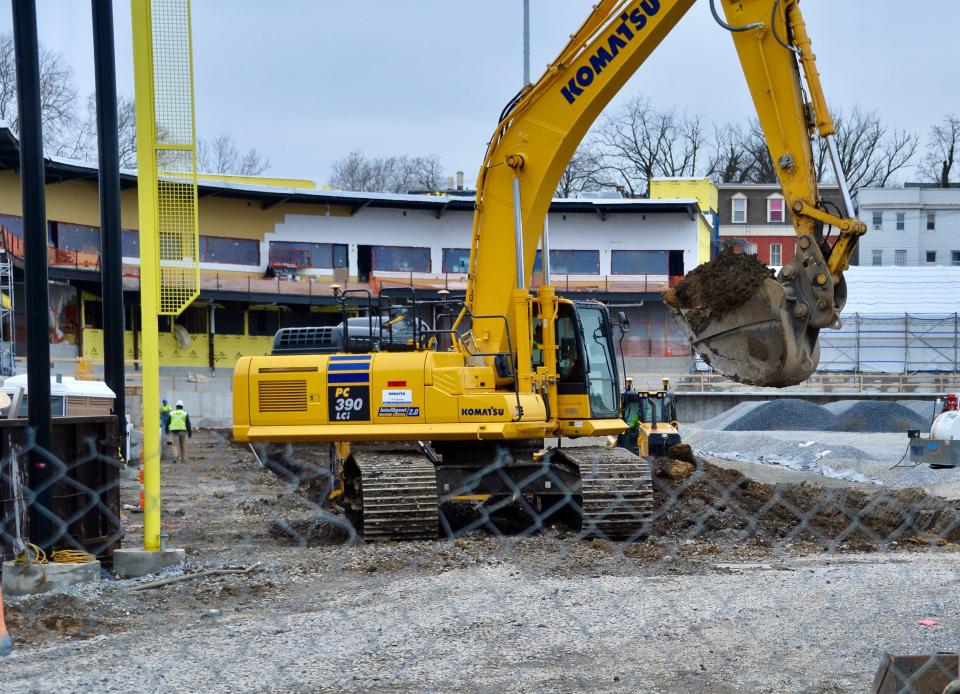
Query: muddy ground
{"points": [[738, 575]]}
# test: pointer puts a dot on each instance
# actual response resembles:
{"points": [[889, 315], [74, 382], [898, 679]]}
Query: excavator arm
{"points": [[771, 339]]}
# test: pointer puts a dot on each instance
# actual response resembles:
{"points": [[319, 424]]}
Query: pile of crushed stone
{"points": [[870, 416], [791, 414], [803, 456]]}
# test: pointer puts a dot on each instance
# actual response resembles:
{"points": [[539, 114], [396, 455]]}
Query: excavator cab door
{"points": [[587, 371], [602, 379]]}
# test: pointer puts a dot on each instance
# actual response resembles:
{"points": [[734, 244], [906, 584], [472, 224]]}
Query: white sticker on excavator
{"points": [[397, 397]]}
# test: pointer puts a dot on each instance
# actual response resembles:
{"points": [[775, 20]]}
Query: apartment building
{"points": [[913, 225], [754, 218]]}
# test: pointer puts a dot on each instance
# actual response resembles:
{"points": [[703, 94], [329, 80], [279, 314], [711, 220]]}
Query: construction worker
{"points": [[179, 426], [164, 414]]}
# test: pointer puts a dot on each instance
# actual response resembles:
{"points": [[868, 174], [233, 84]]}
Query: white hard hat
{"points": [[179, 403]]}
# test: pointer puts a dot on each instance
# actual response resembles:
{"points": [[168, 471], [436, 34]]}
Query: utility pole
{"points": [[27, 51], [110, 240], [526, 42]]}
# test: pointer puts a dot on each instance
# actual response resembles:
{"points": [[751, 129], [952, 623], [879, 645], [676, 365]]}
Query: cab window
{"points": [[601, 374]]}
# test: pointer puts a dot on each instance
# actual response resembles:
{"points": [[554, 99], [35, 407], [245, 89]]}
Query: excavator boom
{"points": [[771, 337]]}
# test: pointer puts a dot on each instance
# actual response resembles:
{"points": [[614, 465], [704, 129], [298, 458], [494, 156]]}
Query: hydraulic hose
{"points": [[731, 27]]}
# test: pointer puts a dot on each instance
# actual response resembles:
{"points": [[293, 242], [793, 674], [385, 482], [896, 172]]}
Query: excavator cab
{"points": [[586, 365]]}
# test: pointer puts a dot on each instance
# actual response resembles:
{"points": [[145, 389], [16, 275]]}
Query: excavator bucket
{"points": [[758, 342], [751, 327]]}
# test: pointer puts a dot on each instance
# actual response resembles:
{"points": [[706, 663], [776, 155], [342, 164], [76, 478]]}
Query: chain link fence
{"points": [[728, 579]]}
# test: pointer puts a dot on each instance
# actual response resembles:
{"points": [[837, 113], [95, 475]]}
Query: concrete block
{"points": [[43, 578], [131, 563]]}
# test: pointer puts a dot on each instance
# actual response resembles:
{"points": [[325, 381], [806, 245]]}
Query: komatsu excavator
{"points": [[519, 366]]}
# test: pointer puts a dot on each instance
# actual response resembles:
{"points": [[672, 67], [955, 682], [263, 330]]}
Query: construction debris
{"points": [[722, 504], [199, 574]]}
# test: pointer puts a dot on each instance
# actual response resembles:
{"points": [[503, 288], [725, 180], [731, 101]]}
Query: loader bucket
{"points": [[759, 342]]}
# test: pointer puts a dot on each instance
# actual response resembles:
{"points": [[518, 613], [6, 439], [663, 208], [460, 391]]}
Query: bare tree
{"points": [[639, 142], [943, 148], [396, 174], [871, 152], [222, 156], [82, 143], [741, 155], [761, 167], [417, 173], [583, 173], [58, 96], [354, 172], [127, 131], [730, 161]]}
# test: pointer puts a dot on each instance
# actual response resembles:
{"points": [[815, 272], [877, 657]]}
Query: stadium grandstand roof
{"points": [[59, 170]]}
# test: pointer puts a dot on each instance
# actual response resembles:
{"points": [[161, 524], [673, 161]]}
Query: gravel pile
{"points": [[924, 408], [804, 456], [785, 414], [870, 416], [789, 414]]}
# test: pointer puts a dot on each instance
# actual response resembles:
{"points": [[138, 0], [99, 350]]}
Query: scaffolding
{"points": [[8, 341], [901, 343], [904, 343]]}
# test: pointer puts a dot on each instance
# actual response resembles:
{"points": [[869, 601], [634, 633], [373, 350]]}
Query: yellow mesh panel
{"points": [[175, 147]]}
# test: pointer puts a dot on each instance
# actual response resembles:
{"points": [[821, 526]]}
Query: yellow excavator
{"points": [[465, 411]]}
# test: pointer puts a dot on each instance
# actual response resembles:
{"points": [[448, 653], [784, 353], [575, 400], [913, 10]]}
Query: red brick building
{"points": [[754, 218]]}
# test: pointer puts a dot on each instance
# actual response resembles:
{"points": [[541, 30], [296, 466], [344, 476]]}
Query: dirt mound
{"points": [[870, 416], [714, 288], [788, 414], [716, 503]]}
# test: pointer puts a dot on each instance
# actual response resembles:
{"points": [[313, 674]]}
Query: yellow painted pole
{"points": [[149, 276]]}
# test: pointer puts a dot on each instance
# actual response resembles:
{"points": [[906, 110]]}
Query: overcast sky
{"points": [[306, 81]]}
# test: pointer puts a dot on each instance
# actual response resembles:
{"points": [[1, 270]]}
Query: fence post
{"points": [[906, 340], [857, 367]]}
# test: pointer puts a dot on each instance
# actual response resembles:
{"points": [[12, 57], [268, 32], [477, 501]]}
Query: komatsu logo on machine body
{"points": [[481, 412], [632, 22]]}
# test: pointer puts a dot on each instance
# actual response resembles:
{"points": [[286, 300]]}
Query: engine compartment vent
{"points": [[283, 396]]}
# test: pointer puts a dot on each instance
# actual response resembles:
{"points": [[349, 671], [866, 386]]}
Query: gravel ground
{"points": [[801, 625], [727, 596]]}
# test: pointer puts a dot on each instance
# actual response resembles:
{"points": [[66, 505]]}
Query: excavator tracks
{"points": [[392, 495], [617, 492]]}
